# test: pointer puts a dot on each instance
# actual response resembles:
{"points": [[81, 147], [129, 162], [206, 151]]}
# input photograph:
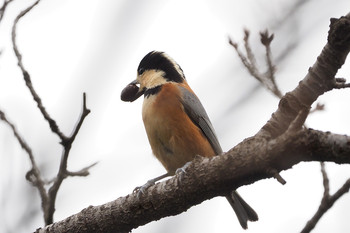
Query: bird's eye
{"points": [[141, 70]]}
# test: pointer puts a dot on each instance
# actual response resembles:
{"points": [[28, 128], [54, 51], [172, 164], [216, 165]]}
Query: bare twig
{"points": [[251, 160], [33, 175], [248, 60], [341, 83], [85, 112], [267, 79], [82, 172], [27, 79], [299, 121], [63, 172], [277, 176], [243, 164], [21, 141], [68, 143], [325, 181], [266, 39], [319, 107], [244, 59], [327, 200], [3, 8], [49, 197], [249, 52]]}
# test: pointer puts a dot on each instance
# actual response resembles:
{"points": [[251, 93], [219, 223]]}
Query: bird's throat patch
{"points": [[153, 91]]}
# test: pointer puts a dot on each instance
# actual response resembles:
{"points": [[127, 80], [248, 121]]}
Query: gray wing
{"points": [[195, 110]]}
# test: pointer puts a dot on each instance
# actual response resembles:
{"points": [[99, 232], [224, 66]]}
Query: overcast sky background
{"points": [[71, 47]]}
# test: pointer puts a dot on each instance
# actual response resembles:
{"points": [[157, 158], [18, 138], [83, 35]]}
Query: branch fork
{"points": [[48, 197]]}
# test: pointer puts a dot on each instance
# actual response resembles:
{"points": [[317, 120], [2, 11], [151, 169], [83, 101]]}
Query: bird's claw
{"points": [[140, 190], [180, 172]]}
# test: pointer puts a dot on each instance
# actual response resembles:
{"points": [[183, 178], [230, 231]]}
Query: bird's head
{"points": [[154, 70]]}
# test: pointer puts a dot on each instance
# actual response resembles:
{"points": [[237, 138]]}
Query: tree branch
{"points": [[326, 202], [48, 198], [3, 8], [27, 79], [267, 79], [82, 172], [320, 79], [269, 82], [245, 164], [33, 175]]}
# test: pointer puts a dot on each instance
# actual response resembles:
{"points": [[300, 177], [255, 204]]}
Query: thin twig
{"points": [[82, 172], [85, 112], [33, 175], [340, 83], [63, 172], [69, 141], [327, 200], [243, 58], [48, 198], [319, 107], [246, 61], [294, 127], [27, 79], [3, 8], [277, 176], [267, 78]]}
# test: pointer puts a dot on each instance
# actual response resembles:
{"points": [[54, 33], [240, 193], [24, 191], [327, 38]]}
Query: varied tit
{"points": [[177, 126]]}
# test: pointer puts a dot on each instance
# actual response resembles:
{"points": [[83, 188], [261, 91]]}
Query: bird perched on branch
{"points": [[177, 125]]}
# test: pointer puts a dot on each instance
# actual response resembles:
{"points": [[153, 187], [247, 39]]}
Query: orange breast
{"points": [[174, 138]]}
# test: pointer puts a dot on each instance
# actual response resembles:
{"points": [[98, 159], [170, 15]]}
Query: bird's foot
{"points": [[180, 172], [140, 190]]}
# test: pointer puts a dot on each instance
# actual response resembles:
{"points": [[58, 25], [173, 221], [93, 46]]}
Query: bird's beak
{"points": [[131, 92]]}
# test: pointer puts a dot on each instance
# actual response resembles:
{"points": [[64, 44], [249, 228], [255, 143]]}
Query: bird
{"points": [[177, 125]]}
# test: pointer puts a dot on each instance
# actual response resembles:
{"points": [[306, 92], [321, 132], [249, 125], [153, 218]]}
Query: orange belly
{"points": [[174, 138]]}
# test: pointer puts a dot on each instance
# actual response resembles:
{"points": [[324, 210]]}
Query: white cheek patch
{"points": [[152, 78]]}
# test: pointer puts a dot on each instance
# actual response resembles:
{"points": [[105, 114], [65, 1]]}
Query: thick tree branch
{"points": [[82, 172], [266, 81], [247, 163], [48, 199], [320, 79], [63, 172]]}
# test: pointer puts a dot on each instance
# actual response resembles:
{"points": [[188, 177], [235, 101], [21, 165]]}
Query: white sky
{"points": [[71, 47]]}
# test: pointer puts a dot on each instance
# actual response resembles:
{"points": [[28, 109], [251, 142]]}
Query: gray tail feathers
{"points": [[243, 211]]}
